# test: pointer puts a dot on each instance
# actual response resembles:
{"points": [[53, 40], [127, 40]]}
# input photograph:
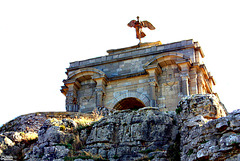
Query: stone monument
{"points": [[148, 74]]}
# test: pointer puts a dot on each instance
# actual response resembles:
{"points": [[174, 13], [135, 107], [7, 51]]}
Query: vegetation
{"points": [[82, 124], [190, 151], [204, 141], [86, 155], [69, 146], [146, 151], [29, 137], [115, 157], [178, 110], [82, 127], [87, 122], [145, 158], [62, 127], [173, 152]]}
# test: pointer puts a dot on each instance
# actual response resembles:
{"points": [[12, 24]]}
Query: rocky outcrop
{"points": [[55, 138], [18, 135], [205, 133], [124, 135], [131, 135], [200, 129]]}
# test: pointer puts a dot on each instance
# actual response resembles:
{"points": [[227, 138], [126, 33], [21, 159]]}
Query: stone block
{"points": [[115, 56], [159, 48], [109, 58]]}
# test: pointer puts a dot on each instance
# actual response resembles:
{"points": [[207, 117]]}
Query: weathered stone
{"points": [[211, 138], [235, 123], [5, 142], [234, 158], [56, 152], [148, 74], [203, 153], [221, 126], [143, 134]]}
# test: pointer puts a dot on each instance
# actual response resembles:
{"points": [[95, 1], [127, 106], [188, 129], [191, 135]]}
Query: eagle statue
{"points": [[138, 25]]}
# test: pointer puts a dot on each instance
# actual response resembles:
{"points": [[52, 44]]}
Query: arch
{"points": [[168, 58], [93, 72], [140, 96], [129, 103]]}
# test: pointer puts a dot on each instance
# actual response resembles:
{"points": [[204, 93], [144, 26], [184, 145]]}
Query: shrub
{"points": [[62, 128], [146, 151], [29, 137], [86, 155], [190, 151], [178, 110], [96, 115]]}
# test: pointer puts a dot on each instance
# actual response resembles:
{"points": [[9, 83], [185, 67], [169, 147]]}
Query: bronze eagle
{"points": [[138, 25]]}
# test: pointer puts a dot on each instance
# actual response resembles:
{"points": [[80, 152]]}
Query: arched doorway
{"points": [[129, 103]]}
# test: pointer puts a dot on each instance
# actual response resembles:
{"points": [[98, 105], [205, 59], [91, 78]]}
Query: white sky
{"points": [[38, 39]]}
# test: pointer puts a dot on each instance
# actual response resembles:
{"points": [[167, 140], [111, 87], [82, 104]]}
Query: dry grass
{"points": [[86, 121], [29, 137], [97, 115], [94, 157]]}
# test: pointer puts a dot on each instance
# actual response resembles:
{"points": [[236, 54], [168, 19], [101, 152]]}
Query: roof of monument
{"points": [[131, 52]]}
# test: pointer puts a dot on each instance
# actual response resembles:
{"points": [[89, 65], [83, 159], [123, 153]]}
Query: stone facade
{"points": [[149, 74]]}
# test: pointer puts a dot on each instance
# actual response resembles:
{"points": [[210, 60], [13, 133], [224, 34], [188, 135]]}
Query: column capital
{"points": [[154, 70], [153, 83], [184, 75], [99, 89], [101, 81], [184, 66]]}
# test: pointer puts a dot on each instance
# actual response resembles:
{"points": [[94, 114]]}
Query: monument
{"points": [[148, 74]]}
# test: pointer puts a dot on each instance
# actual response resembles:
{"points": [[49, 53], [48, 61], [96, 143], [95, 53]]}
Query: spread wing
{"points": [[131, 23], [148, 25]]}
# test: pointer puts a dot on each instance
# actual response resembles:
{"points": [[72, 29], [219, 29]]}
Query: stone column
{"points": [[193, 81], [71, 98], [99, 100], [185, 89], [100, 90], [152, 90], [200, 83], [185, 76], [152, 85]]}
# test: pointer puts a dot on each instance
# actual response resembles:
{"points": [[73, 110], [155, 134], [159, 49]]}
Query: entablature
{"points": [[134, 53]]}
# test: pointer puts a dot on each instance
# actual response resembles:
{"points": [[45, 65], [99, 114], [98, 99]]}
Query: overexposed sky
{"points": [[38, 39]]}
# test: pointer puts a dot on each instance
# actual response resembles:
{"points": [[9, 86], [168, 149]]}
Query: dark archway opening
{"points": [[129, 103]]}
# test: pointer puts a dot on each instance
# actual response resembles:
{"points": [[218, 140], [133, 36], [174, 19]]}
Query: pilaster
{"points": [[153, 83], [185, 77], [71, 98], [200, 83], [193, 81], [100, 90]]}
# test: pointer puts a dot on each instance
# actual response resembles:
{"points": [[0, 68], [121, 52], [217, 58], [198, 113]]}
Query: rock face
{"points": [[203, 136], [125, 135], [131, 135], [53, 140], [200, 129], [18, 135]]}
